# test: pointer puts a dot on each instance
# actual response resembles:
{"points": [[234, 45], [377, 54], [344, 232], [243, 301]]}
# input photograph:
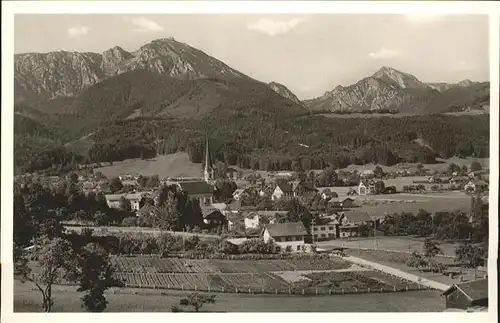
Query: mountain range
{"points": [[60, 81], [393, 90]]}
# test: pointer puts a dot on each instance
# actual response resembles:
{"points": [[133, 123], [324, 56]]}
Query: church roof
{"points": [[197, 187]]}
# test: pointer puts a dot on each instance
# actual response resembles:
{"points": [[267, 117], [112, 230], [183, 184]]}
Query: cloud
{"points": [[463, 66], [383, 53], [78, 31], [275, 27], [143, 24], [422, 18]]}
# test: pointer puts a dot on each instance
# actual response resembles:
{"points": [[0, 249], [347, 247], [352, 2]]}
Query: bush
{"points": [[131, 221]]}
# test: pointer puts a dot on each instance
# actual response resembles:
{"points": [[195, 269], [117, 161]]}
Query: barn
{"points": [[467, 295]]}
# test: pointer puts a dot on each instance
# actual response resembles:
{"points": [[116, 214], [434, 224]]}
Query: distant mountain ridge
{"points": [[390, 89], [62, 73]]}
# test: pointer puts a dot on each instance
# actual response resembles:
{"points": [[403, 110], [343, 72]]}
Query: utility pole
{"points": [[313, 222]]}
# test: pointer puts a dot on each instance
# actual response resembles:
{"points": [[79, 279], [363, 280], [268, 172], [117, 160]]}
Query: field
{"points": [[252, 276], [66, 299], [381, 205], [173, 165], [398, 259], [402, 245], [176, 265], [352, 280], [179, 165]]}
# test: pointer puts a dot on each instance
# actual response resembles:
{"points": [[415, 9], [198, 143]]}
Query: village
{"points": [[259, 207]]}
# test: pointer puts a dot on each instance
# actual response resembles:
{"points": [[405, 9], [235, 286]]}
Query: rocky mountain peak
{"points": [[62, 73], [284, 92], [465, 83], [398, 78]]}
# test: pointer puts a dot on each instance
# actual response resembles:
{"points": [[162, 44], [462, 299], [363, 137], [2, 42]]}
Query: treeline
{"points": [[269, 142], [442, 226]]}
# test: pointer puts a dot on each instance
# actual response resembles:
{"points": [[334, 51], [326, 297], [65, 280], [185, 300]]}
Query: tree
{"points": [[153, 181], [378, 171], [475, 166], [416, 261], [379, 187], [55, 260], [125, 204], [197, 300], [96, 277], [115, 185], [470, 255], [328, 177], [431, 248]]}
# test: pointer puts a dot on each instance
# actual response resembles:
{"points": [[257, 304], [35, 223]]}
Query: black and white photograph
{"points": [[219, 162]]}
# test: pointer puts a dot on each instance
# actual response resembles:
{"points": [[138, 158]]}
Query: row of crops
{"points": [[179, 265], [221, 282]]}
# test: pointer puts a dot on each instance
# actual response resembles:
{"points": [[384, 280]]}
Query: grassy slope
{"points": [[172, 165], [124, 300]]}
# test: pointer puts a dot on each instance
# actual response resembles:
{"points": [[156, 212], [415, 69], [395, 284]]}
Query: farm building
{"points": [[326, 193], [467, 295], [286, 235], [213, 217], [282, 190], [349, 223], [303, 189], [347, 203], [366, 187], [326, 229], [202, 191], [476, 185]]}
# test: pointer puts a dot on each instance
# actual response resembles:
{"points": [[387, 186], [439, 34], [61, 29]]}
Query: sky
{"points": [[310, 54]]}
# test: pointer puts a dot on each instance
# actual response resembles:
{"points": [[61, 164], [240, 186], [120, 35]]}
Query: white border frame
{"points": [[121, 7]]}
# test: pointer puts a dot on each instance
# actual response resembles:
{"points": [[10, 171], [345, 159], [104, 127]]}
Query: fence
{"points": [[288, 291]]}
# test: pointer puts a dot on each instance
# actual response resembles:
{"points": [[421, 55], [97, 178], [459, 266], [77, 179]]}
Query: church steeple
{"points": [[208, 171]]}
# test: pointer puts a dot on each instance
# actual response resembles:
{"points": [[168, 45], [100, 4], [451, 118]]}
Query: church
{"points": [[203, 190]]}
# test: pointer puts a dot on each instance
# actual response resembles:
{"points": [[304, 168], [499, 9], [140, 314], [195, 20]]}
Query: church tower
{"points": [[208, 170]]}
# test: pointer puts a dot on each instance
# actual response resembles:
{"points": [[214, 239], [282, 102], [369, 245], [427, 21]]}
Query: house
{"points": [[350, 221], [326, 193], [303, 189], [90, 187], [213, 217], [347, 203], [466, 295], [282, 190], [257, 219], [252, 220], [476, 185], [113, 200], [286, 235], [366, 187], [326, 229], [130, 182], [199, 190]]}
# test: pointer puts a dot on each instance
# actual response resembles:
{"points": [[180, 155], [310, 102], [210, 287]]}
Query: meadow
{"points": [[67, 299]]}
